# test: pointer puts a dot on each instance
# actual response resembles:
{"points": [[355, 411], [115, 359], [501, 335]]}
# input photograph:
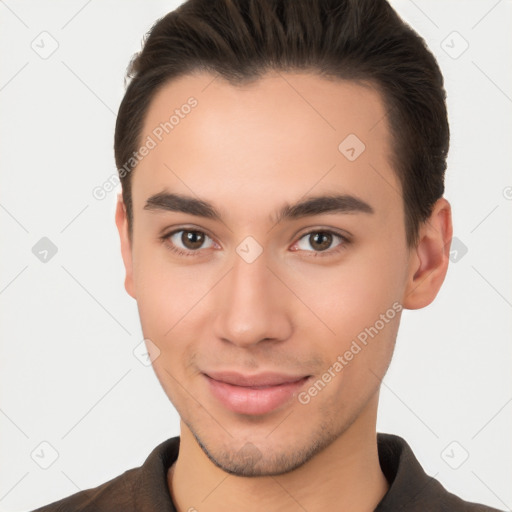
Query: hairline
{"points": [[369, 83]]}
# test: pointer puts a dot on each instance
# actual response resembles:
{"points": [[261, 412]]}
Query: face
{"points": [[268, 261]]}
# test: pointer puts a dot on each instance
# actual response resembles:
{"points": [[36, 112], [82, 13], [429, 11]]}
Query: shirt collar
{"points": [[409, 484]]}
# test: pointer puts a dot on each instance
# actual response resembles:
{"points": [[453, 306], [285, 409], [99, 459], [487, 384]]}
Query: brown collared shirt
{"points": [[144, 489]]}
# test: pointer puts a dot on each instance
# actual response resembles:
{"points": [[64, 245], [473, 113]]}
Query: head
{"points": [[282, 168]]}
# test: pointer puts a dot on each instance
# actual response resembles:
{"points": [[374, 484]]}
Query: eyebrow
{"points": [[317, 205]]}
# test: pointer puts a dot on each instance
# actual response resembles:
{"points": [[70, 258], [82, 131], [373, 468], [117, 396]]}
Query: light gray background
{"points": [[68, 329]]}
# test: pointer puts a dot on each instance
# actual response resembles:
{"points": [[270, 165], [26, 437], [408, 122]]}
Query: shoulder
{"points": [[118, 491], [141, 488], [411, 489]]}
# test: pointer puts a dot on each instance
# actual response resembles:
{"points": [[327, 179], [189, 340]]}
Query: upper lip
{"points": [[260, 379]]}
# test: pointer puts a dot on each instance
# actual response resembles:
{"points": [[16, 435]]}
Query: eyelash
{"points": [[314, 254]]}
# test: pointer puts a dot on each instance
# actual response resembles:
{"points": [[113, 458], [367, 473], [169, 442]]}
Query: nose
{"points": [[255, 307]]}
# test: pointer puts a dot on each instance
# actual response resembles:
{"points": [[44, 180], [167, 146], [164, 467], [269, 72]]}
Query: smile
{"points": [[256, 394]]}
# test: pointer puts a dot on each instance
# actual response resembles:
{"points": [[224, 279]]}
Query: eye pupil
{"points": [[320, 240], [192, 239]]}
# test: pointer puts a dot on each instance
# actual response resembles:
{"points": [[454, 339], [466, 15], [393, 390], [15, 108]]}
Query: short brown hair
{"points": [[362, 40]]}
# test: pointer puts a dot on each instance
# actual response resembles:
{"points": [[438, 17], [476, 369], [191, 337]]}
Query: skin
{"points": [[249, 150]]}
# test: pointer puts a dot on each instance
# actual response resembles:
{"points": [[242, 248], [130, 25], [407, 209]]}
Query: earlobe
{"points": [[126, 246], [429, 261]]}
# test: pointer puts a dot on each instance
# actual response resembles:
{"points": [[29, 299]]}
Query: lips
{"points": [[259, 380], [254, 394]]}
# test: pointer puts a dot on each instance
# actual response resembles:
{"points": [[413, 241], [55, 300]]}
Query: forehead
{"points": [[283, 133]]}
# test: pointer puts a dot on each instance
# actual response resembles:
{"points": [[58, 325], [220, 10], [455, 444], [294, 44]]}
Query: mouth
{"points": [[254, 394]]}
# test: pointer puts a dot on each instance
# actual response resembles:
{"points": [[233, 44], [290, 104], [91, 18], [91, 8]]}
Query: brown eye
{"points": [[316, 242], [192, 239], [320, 241], [188, 240]]}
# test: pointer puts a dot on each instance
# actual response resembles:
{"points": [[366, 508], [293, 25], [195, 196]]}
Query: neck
{"points": [[344, 476]]}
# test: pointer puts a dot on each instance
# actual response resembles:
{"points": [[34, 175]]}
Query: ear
{"points": [[428, 262], [126, 245]]}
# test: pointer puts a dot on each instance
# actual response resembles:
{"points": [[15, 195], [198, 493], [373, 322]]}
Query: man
{"points": [[282, 167]]}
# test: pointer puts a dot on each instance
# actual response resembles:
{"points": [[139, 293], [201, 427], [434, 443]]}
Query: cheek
{"points": [[164, 292], [171, 301], [352, 295], [358, 300]]}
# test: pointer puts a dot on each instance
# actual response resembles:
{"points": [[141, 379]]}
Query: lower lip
{"points": [[252, 400]]}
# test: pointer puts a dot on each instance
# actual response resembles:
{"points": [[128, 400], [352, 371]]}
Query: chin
{"points": [[265, 457]]}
